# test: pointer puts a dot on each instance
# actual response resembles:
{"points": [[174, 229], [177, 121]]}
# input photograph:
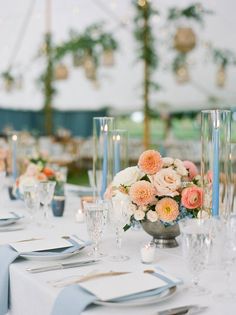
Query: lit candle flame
{"points": [[14, 137]]}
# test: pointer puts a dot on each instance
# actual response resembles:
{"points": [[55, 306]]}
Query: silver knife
{"points": [[62, 266], [187, 309]]}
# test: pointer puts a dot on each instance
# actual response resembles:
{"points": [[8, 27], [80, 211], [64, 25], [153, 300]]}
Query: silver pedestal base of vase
{"points": [[163, 237]]}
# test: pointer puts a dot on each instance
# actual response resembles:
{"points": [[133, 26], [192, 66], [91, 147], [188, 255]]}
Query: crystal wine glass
{"points": [[46, 191], [228, 255], [31, 199], [96, 218], [119, 216], [196, 243]]}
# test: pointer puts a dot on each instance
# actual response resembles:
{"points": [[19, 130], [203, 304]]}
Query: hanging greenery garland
{"points": [[223, 58]]}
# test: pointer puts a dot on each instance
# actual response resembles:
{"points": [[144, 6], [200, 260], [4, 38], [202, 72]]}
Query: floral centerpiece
{"points": [[158, 189], [37, 170]]}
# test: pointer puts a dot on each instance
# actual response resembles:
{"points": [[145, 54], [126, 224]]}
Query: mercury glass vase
{"points": [[216, 162], [163, 236]]}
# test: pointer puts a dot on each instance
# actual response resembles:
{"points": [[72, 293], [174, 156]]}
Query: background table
{"points": [[31, 294]]}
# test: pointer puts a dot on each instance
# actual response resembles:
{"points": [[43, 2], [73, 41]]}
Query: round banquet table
{"points": [[33, 294]]}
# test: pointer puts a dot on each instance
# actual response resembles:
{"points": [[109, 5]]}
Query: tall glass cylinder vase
{"points": [[216, 162], [102, 154], [119, 144], [13, 140]]}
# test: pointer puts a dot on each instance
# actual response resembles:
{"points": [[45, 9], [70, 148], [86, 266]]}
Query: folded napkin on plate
{"points": [[7, 256], [73, 300]]}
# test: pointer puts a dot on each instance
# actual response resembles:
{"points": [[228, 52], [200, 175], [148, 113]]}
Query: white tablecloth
{"points": [[32, 294]]}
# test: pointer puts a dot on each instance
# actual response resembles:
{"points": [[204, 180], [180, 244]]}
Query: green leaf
{"points": [[126, 227]]}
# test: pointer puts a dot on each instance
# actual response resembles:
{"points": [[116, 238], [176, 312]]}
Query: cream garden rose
{"points": [[152, 216], [166, 182], [180, 168], [127, 177], [167, 161], [139, 215]]}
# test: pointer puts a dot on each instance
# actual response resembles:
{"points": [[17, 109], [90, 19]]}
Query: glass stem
{"points": [[228, 276], [95, 250], [195, 281], [118, 238]]}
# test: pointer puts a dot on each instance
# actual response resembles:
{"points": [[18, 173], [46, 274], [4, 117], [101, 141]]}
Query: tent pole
{"points": [[48, 88]]}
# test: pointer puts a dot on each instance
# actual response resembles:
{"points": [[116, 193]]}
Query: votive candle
{"points": [[147, 253]]}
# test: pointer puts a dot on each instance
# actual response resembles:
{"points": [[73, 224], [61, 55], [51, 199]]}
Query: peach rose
{"points": [[150, 162], [142, 193], [109, 192], [167, 209], [192, 197], [48, 172], [210, 177], [166, 182], [41, 177], [192, 169], [3, 153]]}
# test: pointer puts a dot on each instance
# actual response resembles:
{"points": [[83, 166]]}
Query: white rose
{"points": [[132, 207], [166, 182], [121, 204], [121, 197], [180, 168], [32, 170], [167, 161], [182, 171], [26, 181], [139, 215], [178, 162], [152, 216], [128, 176]]}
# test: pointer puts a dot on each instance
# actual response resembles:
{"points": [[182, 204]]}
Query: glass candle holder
{"points": [[102, 154], [147, 252], [216, 161], [13, 139], [119, 144]]}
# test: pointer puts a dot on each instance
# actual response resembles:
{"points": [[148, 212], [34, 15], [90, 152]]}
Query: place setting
{"points": [[10, 221], [117, 157]]}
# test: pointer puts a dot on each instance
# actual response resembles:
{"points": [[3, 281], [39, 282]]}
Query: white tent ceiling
{"points": [[119, 86]]}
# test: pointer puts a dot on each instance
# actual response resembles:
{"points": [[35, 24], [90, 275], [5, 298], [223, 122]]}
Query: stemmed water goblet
{"points": [[119, 216], [31, 200], [46, 191], [227, 255], [196, 244], [96, 214]]}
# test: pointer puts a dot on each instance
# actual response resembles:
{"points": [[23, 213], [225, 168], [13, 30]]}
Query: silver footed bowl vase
{"points": [[163, 236]]}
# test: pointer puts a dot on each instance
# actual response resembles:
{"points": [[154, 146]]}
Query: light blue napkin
{"points": [[7, 256], [73, 300]]}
